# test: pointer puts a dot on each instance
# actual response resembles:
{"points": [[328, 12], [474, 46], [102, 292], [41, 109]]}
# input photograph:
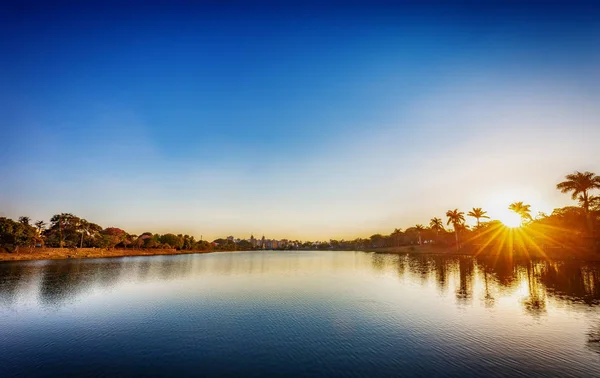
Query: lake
{"points": [[299, 313]]}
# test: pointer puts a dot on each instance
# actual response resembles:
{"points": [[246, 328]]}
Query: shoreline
{"points": [[41, 254], [551, 254]]}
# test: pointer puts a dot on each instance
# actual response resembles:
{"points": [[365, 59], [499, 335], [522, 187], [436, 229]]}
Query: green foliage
{"points": [[174, 241], [17, 234], [111, 236], [244, 245]]}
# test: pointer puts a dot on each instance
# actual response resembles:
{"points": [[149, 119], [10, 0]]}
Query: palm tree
{"points": [[396, 235], [477, 213], [419, 228], [523, 210], [580, 185], [437, 225], [456, 218]]}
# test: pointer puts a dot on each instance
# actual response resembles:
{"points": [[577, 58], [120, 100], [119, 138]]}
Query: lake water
{"points": [[332, 314]]}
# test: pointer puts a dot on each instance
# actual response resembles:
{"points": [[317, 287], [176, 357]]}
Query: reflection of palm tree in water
{"points": [[489, 299], [441, 273], [536, 303], [465, 271]]}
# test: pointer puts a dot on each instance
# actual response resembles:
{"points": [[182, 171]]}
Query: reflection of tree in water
{"points": [[62, 281], [143, 269], [573, 281], [505, 271], [378, 261], [464, 293], [487, 272], [441, 272], [420, 267], [14, 276], [401, 264], [535, 304]]}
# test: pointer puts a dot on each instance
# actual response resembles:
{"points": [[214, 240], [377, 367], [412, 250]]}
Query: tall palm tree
{"points": [[436, 224], [580, 184], [456, 218], [520, 208], [478, 213], [396, 235], [419, 228]]}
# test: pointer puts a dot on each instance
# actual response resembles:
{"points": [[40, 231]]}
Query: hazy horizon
{"points": [[310, 122]]}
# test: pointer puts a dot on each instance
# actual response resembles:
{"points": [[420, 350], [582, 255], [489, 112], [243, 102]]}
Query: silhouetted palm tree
{"points": [[520, 208], [419, 228], [396, 235], [478, 213], [456, 218], [437, 225], [580, 185]]}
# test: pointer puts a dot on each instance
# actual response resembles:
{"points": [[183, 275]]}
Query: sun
{"points": [[510, 219]]}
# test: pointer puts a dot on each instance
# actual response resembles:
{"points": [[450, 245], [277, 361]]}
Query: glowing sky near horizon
{"points": [[309, 122]]}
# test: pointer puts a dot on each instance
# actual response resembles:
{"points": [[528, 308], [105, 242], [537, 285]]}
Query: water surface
{"points": [[299, 313]]}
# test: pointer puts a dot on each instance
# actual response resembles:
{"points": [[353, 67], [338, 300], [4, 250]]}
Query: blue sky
{"points": [[310, 121]]}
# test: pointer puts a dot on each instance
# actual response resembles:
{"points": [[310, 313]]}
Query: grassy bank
{"points": [[75, 253]]}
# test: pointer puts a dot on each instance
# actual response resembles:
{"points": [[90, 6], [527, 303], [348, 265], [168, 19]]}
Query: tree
{"points": [[521, 209], [436, 224], [594, 203], [478, 213], [244, 245], [419, 228], [112, 236], [457, 218], [16, 234], [172, 240], [376, 240], [64, 230], [580, 184], [40, 225], [396, 234], [24, 220], [82, 227]]}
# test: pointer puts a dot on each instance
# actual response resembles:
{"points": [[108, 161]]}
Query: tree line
{"points": [[572, 227], [567, 227]]}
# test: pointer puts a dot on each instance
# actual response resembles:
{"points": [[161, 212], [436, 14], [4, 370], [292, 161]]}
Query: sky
{"points": [[293, 120]]}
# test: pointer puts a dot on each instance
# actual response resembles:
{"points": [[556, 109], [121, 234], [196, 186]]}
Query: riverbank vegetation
{"points": [[572, 229]]}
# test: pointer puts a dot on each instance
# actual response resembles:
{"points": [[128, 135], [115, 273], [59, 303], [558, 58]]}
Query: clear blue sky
{"points": [[310, 121]]}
